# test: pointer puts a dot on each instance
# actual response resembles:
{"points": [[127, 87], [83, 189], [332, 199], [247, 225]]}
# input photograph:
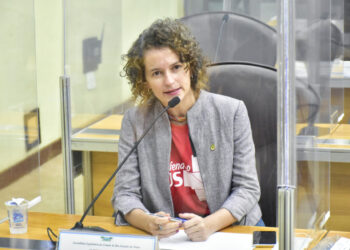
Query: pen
{"points": [[171, 218]]}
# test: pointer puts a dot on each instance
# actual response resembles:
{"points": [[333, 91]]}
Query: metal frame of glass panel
{"points": [[286, 111]]}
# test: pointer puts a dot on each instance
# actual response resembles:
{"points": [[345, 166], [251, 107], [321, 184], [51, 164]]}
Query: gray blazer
{"points": [[228, 171]]}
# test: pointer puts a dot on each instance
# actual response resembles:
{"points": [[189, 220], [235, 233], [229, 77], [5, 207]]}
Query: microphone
{"points": [[172, 103], [79, 225]]}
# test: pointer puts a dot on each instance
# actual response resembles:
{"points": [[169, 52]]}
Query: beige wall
{"points": [[122, 21], [87, 19], [18, 77], [36, 44], [49, 61]]}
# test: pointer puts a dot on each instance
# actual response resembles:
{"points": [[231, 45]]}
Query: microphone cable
{"points": [[49, 232]]}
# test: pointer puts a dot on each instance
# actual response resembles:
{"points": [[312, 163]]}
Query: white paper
{"points": [[222, 241], [346, 69], [342, 244]]}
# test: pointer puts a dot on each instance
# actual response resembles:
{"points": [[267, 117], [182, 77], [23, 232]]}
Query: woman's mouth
{"points": [[173, 91]]}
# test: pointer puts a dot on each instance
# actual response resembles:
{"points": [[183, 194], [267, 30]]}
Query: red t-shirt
{"points": [[185, 180]]}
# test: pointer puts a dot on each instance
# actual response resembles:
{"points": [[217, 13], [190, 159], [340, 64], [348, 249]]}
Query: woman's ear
{"points": [[148, 90], [147, 87], [188, 67]]}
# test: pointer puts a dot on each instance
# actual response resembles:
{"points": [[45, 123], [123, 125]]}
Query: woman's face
{"points": [[166, 76]]}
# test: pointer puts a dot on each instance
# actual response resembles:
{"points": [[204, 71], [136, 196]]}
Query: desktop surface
{"points": [[38, 223]]}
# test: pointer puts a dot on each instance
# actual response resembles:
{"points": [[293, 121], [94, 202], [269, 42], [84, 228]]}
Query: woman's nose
{"points": [[169, 78]]}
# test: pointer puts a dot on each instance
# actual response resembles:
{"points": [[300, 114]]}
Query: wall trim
{"points": [[29, 163]]}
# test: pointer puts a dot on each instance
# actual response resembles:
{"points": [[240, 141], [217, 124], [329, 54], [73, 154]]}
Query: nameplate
{"points": [[83, 240]]}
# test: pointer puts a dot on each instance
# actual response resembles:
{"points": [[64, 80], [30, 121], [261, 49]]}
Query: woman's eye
{"points": [[177, 66], [156, 73]]}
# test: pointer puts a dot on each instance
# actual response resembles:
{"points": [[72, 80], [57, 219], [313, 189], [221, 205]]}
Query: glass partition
{"points": [[319, 102], [315, 40], [97, 34], [19, 113], [263, 10], [92, 46]]}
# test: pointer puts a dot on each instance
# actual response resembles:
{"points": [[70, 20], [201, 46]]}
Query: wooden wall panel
{"points": [[340, 197], [103, 164]]}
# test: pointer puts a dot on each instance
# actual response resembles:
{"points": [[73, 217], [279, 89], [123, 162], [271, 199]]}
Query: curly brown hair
{"points": [[164, 33]]}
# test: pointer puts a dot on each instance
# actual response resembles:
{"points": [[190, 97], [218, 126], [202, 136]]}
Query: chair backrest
{"points": [[256, 85], [227, 36]]}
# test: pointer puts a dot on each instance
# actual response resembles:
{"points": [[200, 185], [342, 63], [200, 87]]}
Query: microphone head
{"points": [[173, 102]]}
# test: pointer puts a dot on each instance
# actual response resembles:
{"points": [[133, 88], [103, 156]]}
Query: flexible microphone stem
{"points": [[79, 225]]}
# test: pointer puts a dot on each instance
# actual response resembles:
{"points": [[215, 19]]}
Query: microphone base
{"points": [[80, 227], [92, 229]]}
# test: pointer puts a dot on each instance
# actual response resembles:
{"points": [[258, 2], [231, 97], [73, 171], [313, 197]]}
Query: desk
{"points": [[99, 145], [340, 233], [334, 147], [101, 136], [38, 222]]}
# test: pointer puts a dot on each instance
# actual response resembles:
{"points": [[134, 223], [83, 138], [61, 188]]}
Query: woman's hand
{"points": [[199, 229], [195, 227], [162, 226]]}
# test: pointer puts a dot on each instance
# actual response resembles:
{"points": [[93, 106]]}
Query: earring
{"points": [[148, 92]]}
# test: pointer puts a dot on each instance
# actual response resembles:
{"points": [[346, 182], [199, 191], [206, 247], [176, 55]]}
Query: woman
{"points": [[198, 160]]}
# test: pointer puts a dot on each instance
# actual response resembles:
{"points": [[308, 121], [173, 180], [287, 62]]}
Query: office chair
{"points": [[318, 45], [256, 85], [226, 37]]}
